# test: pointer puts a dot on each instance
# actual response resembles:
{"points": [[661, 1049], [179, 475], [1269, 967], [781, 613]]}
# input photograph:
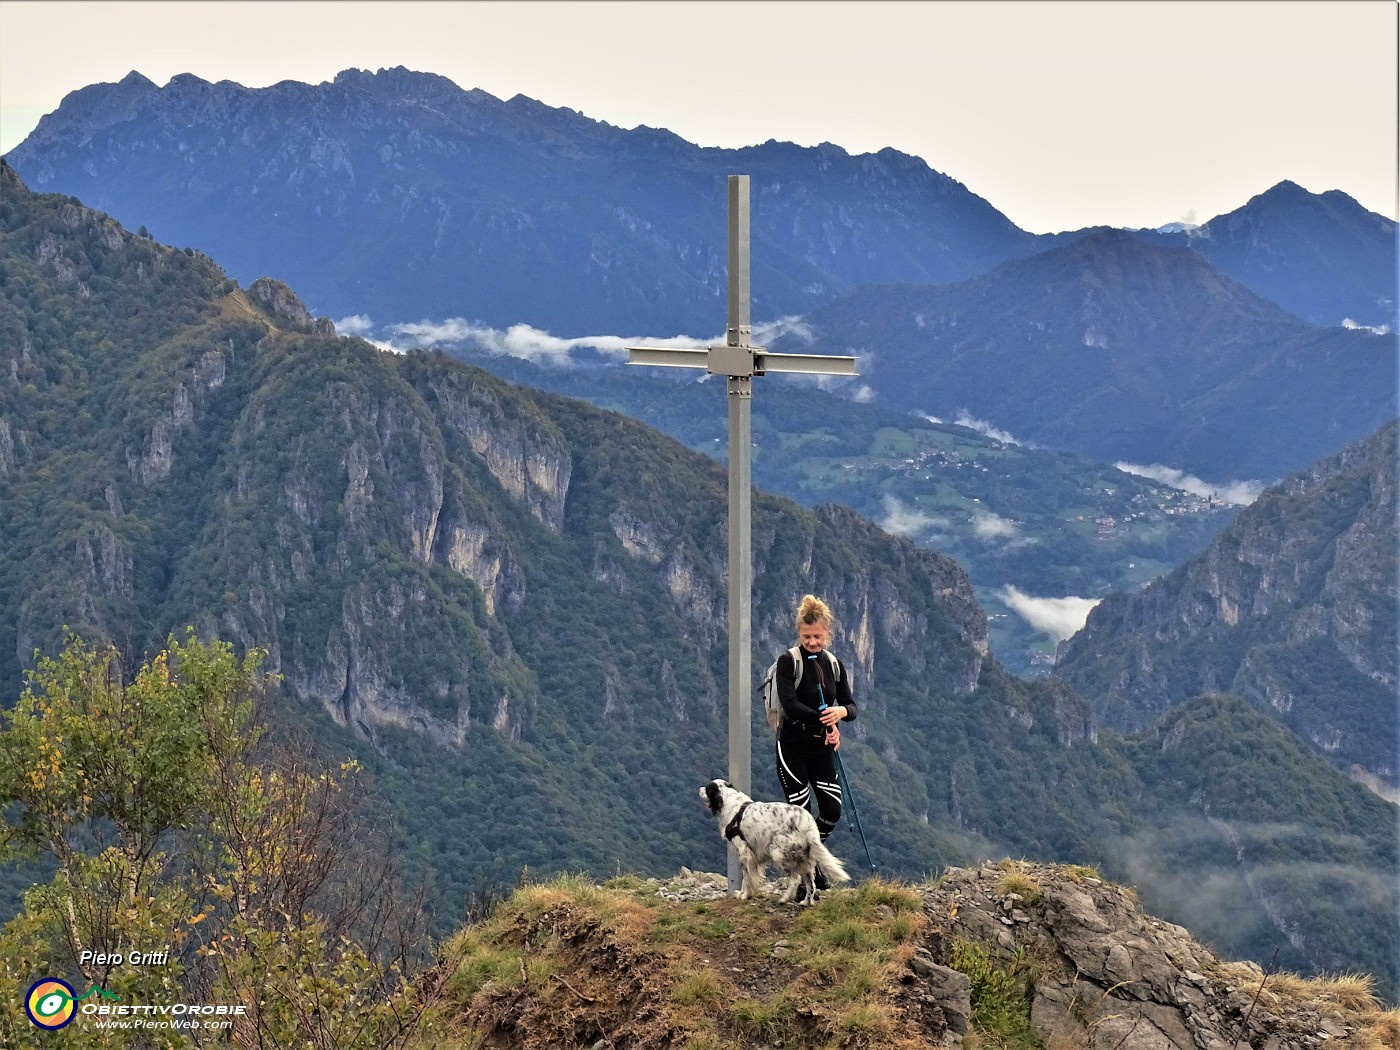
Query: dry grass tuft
{"points": [[1348, 997], [1022, 885], [1332, 995], [1379, 1032]]}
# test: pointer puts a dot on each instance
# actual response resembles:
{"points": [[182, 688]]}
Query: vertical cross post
{"points": [[740, 361], [740, 391]]}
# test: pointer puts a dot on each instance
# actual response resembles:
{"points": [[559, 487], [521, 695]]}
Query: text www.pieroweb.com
{"points": [[186, 1017]]}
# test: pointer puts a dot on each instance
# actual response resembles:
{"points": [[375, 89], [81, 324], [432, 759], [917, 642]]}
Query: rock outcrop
{"points": [[287, 308], [1103, 975]]}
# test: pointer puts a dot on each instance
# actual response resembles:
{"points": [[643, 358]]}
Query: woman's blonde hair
{"points": [[813, 610]]}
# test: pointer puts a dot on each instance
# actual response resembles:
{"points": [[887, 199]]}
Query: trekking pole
{"points": [[855, 813], [845, 783]]}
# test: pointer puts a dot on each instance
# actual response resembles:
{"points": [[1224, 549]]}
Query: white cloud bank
{"points": [[903, 520], [794, 326], [534, 344], [1239, 493], [989, 526], [1057, 617], [355, 324], [966, 419], [520, 340], [1384, 329]]}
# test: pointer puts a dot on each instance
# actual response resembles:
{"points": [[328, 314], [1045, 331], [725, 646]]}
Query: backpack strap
{"points": [[796, 653]]}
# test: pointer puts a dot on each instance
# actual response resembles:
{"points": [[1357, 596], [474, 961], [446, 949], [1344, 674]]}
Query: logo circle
{"points": [[50, 1003]]}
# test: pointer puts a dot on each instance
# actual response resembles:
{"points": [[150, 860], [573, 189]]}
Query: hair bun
{"points": [[813, 610]]}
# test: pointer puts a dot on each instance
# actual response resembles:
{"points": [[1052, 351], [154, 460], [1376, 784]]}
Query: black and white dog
{"points": [[776, 834]]}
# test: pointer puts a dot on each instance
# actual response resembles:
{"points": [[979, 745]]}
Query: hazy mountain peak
{"points": [[1343, 199], [1124, 347], [133, 79], [1291, 196], [1098, 238], [555, 116], [90, 109], [1279, 241], [1107, 248], [186, 80], [1286, 189], [389, 75]]}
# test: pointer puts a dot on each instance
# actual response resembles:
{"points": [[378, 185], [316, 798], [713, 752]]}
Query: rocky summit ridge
{"points": [[1007, 954]]}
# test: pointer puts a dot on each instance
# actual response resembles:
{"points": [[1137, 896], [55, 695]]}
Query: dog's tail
{"points": [[830, 866]]}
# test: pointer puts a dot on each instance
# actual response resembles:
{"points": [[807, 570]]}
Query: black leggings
{"points": [[804, 767]]}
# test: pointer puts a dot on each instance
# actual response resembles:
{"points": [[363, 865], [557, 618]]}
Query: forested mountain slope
{"points": [[1293, 607], [1021, 520]]}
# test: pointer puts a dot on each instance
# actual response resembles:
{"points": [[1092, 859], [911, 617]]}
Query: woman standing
{"points": [[813, 701]]}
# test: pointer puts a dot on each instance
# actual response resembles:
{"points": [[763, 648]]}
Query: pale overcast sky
{"points": [[1062, 115]]}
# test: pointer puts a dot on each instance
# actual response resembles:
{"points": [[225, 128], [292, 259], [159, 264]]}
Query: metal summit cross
{"points": [[740, 360]]}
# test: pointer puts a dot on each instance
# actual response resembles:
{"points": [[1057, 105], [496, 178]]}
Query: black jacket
{"points": [[801, 715]]}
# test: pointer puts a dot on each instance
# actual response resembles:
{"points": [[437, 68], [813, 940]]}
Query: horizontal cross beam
{"points": [[742, 361]]}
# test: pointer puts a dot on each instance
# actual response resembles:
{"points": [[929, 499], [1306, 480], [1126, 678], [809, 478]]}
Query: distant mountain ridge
{"points": [[480, 206], [507, 212], [1321, 256], [1120, 349]]}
